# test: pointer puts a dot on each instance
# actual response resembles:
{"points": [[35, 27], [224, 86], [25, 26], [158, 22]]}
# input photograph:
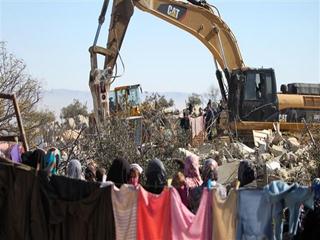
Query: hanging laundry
{"points": [[311, 223], [15, 153], [15, 194], [153, 215], [34, 159], [197, 125], [124, 203], [186, 225], [284, 196], [224, 212], [76, 210], [51, 161], [254, 219]]}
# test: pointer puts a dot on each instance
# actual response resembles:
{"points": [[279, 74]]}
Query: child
{"points": [[135, 173]]}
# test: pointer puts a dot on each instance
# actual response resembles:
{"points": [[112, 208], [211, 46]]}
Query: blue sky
{"points": [[53, 38]]}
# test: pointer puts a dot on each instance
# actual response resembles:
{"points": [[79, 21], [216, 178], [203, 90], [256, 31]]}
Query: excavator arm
{"points": [[203, 23], [200, 20]]}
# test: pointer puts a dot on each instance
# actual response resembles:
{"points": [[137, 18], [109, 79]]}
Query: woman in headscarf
{"points": [[246, 174], [210, 177], [74, 169], [135, 173], [191, 171], [179, 183], [119, 172], [51, 161], [156, 176], [210, 173]]}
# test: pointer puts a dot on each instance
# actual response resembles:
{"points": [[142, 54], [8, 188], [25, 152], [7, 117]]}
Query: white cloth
{"points": [[124, 204]]}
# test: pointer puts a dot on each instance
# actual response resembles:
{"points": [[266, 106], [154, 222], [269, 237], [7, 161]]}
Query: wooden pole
{"points": [[19, 120]]}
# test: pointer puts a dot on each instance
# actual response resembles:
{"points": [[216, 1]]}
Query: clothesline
{"points": [[64, 208]]}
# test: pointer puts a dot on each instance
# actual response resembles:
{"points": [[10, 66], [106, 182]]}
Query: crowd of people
{"points": [[209, 113], [189, 179]]}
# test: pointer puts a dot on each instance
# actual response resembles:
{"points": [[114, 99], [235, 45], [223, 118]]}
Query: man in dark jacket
{"points": [[209, 116]]}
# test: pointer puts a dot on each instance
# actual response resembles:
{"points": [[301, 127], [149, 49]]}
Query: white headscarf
{"points": [[74, 169], [136, 166]]}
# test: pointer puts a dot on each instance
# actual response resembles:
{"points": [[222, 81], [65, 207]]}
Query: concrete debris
{"points": [[71, 123], [289, 160], [293, 144], [277, 150], [274, 155], [263, 147], [185, 152], [84, 121], [4, 133], [263, 137], [265, 157], [241, 150], [272, 166], [277, 138]]}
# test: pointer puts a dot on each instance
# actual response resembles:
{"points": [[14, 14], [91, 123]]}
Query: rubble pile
{"points": [[274, 156]]}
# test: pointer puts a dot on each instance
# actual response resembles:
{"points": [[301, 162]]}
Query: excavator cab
{"points": [[126, 100], [253, 95]]}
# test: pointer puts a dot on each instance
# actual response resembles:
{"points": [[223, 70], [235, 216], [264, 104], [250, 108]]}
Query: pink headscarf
{"points": [[208, 166], [191, 171]]}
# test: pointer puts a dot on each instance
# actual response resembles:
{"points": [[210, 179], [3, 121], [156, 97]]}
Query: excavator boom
{"points": [[199, 20]]}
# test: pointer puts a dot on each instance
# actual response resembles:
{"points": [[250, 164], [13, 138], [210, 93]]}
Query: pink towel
{"points": [[186, 225]]}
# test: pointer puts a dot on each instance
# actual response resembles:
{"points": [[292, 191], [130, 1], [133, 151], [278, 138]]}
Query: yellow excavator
{"points": [[125, 100], [249, 94]]}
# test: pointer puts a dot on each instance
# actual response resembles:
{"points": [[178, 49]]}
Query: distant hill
{"points": [[56, 99]]}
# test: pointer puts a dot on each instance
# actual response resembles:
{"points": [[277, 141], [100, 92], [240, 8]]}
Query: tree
{"points": [[15, 79], [157, 101], [74, 109], [38, 124], [213, 94], [194, 99]]}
